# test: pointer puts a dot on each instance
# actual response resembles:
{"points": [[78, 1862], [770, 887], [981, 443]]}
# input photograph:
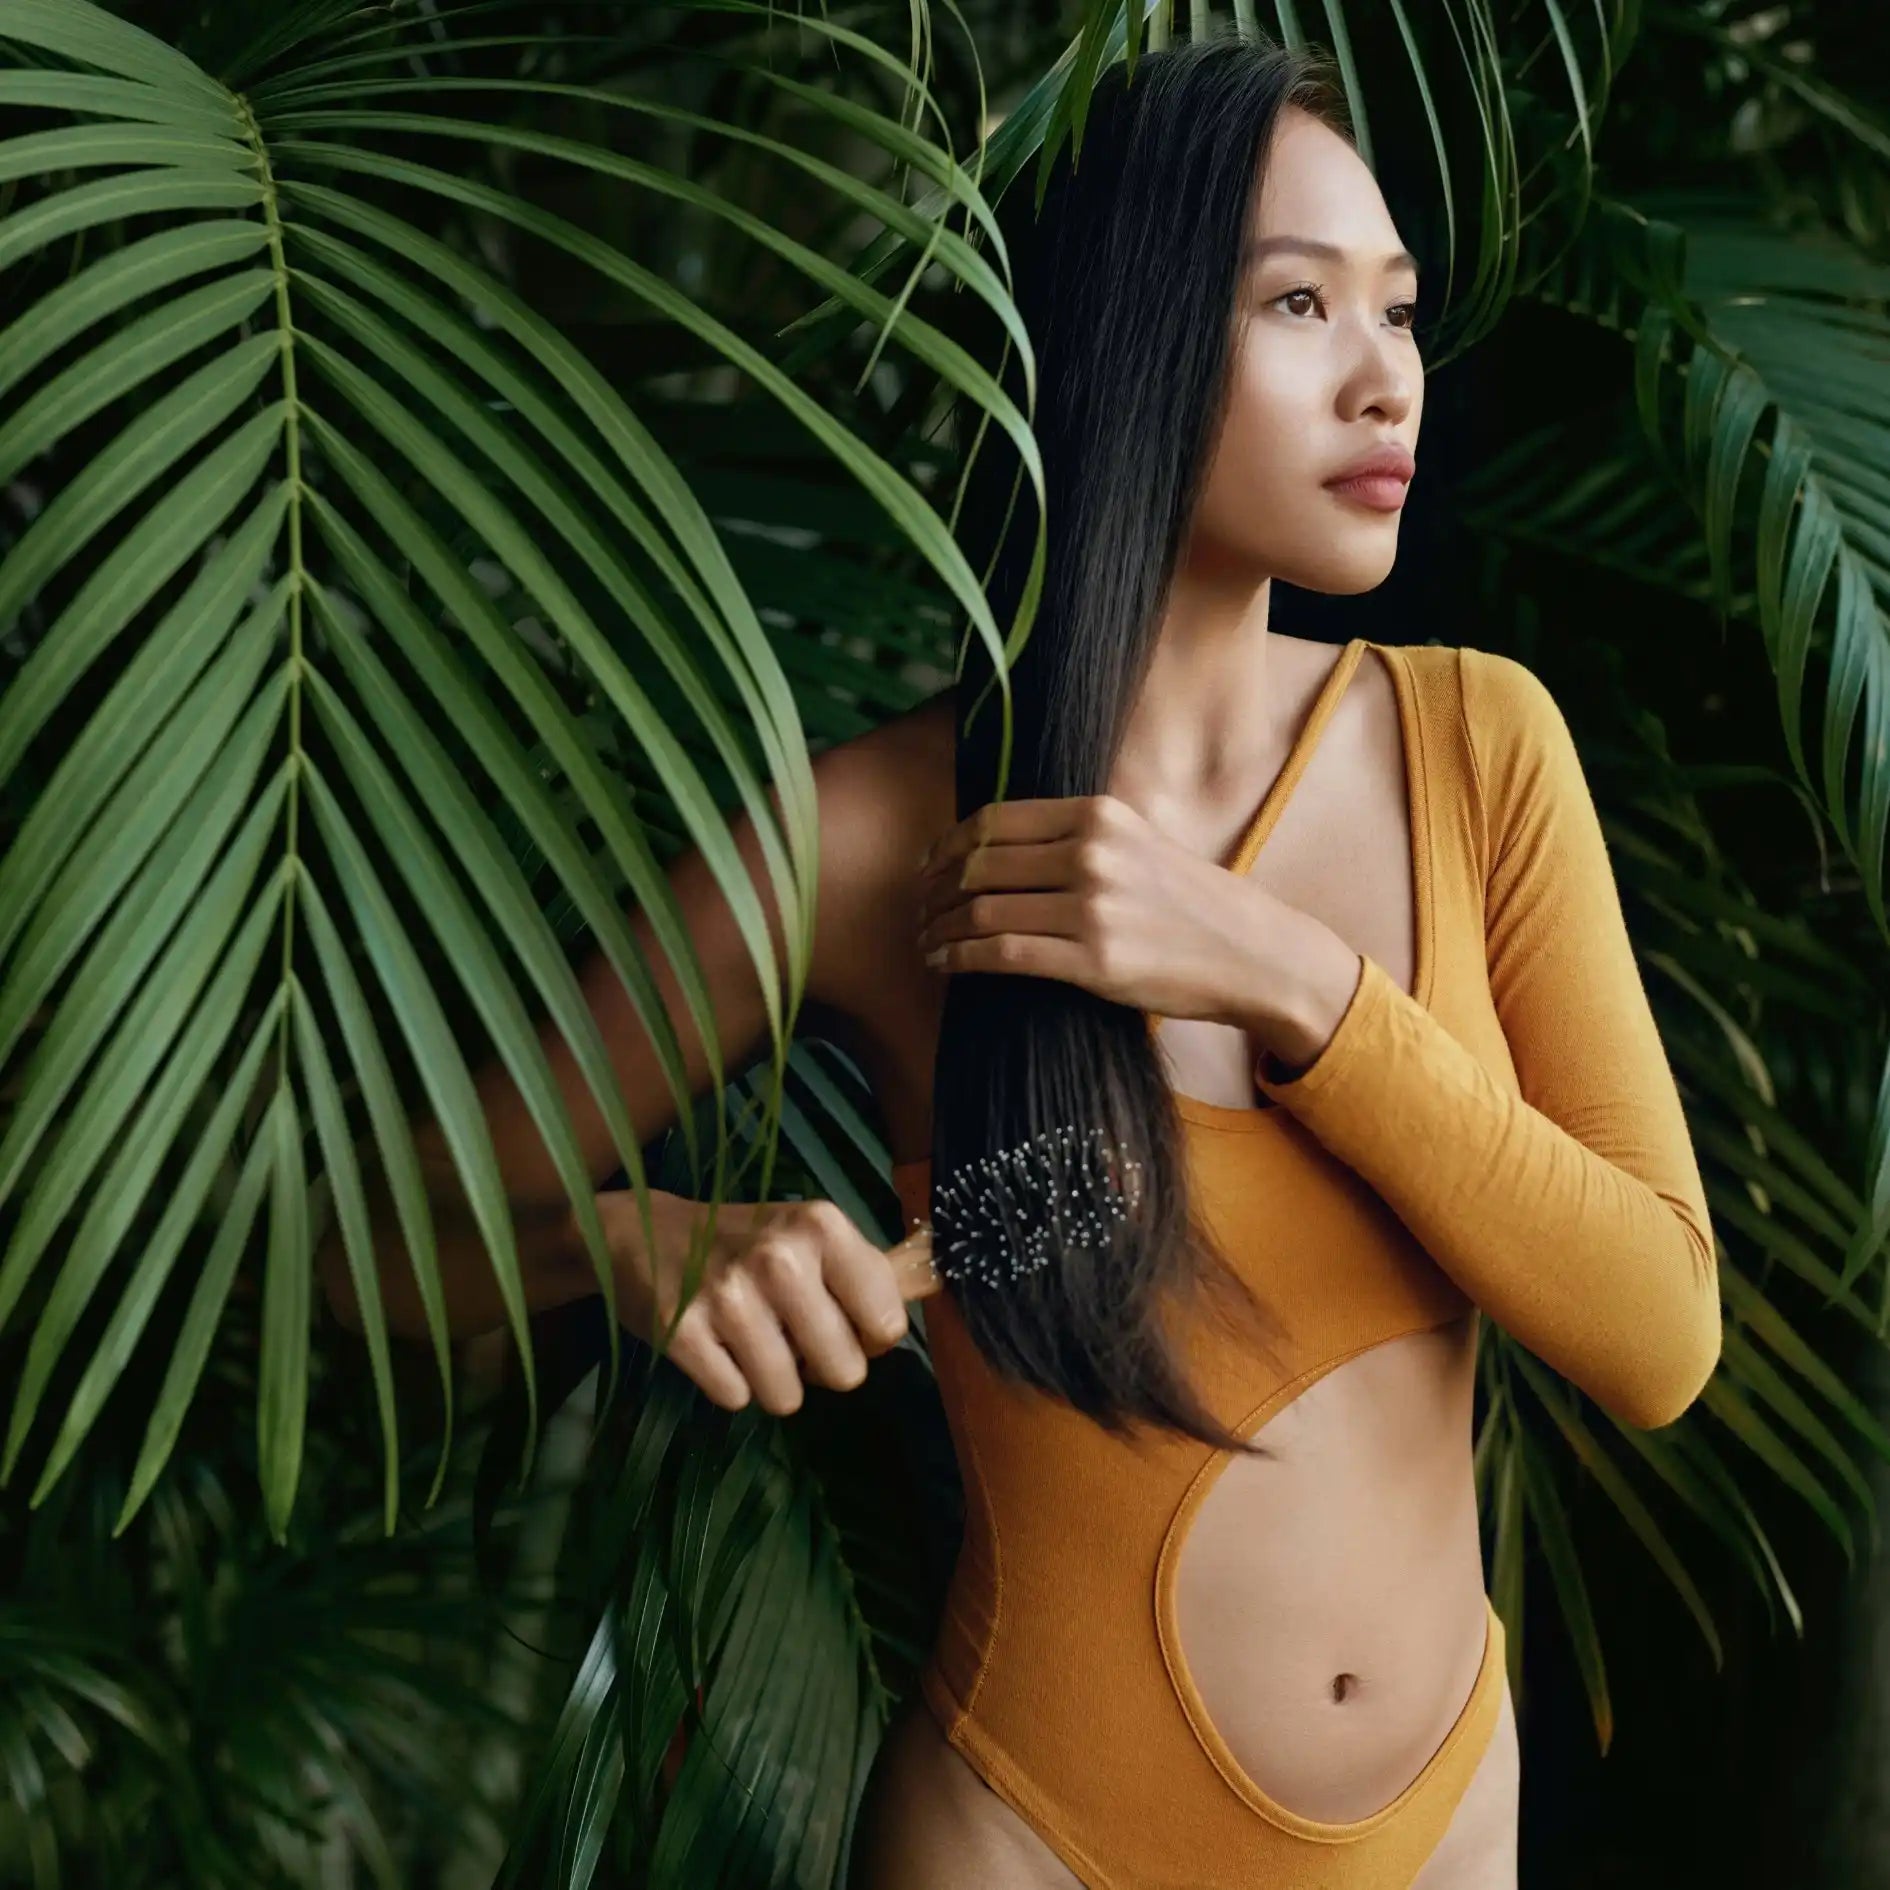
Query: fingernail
{"points": [[936, 957]]}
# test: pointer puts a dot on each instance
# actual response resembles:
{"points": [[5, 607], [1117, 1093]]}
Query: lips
{"points": [[1381, 492], [1389, 461], [1376, 479]]}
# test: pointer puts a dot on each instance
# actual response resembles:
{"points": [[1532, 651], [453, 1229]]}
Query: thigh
{"points": [[1478, 1848], [927, 1821]]}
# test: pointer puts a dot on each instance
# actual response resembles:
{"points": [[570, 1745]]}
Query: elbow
{"points": [[1673, 1372], [1658, 1397], [1651, 1407]]}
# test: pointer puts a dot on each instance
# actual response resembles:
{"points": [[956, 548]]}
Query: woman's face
{"points": [[1325, 368]]}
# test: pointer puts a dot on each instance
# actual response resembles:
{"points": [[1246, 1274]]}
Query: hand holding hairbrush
{"points": [[792, 1293]]}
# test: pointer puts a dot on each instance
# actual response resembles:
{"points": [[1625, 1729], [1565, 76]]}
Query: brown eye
{"points": [[1316, 291], [1304, 289]]}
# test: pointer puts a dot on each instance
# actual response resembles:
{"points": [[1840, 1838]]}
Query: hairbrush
{"points": [[1001, 1217]]}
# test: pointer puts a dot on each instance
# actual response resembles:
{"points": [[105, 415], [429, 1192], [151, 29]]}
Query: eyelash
{"points": [[1318, 289]]}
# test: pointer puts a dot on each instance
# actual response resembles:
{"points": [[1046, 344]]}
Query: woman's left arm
{"points": [[1573, 1213]]}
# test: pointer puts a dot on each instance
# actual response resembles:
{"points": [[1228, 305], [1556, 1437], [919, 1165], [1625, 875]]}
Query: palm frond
{"points": [[1783, 427], [286, 435]]}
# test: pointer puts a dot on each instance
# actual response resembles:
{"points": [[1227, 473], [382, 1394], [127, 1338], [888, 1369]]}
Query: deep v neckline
{"points": [[1273, 803]]}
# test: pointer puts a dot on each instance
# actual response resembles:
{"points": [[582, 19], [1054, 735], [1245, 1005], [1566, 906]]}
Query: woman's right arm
{"points": [[868, 856]]}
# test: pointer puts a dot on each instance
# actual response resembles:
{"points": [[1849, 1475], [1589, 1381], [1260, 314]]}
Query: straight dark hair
{"points": [[1127, 284]]}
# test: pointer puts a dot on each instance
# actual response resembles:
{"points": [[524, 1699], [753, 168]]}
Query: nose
{"points": [[1384, 375]]}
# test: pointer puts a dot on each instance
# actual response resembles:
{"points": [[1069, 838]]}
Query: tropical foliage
{"points": [[454, 456]]}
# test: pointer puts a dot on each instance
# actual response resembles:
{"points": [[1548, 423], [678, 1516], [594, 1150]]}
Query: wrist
{"points": [[632, 1258], [1300, 985]]}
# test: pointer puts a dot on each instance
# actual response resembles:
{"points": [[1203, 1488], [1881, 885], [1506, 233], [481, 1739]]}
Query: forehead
{"points": [[1317, 187]]}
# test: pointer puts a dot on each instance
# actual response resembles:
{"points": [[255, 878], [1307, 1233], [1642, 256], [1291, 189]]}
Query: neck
{"points": [[1194, 725]]}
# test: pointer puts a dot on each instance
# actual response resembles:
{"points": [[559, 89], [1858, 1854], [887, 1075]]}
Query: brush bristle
{"points": [[1004, 1215]]}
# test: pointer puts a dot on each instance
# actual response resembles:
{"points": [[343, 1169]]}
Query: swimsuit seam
{"points": [[1476, 769], [1409, 699], [1423, 847]]}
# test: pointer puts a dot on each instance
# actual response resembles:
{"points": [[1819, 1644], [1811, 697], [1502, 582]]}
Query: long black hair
{"points": [[1127, 284]]}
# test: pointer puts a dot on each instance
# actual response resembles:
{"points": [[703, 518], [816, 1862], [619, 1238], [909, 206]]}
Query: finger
{"points": [[1006, 823], [749, 1327], [793, 1277], [1039, 865], [697, 1352], [986, 914], [1028, 954], [865, 1287]]}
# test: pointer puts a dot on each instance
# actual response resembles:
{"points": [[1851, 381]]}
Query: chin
{"points": [[1344, 577]]}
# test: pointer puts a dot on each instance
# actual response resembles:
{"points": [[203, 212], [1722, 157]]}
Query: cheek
{"points": [[1264, 454]]}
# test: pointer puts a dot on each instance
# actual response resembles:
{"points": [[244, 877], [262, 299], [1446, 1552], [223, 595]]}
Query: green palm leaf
{"points": [[1634, 1512], [1788, 328], [1545, 1506], [290, 412]]}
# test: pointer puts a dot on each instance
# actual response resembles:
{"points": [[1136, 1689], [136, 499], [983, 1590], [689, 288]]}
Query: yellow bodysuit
{"points": [[1505, 1136]]}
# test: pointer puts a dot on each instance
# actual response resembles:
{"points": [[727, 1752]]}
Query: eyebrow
{"points": [[1257, 248]]}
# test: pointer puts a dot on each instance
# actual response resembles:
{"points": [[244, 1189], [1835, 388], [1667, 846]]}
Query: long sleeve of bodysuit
{"points": [[1573, 1213]]}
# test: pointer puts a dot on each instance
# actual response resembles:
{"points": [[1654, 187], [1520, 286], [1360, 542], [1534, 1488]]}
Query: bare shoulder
{"points": [[883, 797]]}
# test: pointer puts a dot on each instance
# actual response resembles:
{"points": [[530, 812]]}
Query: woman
{"points": [[1330, 943], [1183, 1664]]}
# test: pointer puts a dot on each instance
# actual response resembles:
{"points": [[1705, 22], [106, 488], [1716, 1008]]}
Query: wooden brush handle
{"points": [[912, 1266]]}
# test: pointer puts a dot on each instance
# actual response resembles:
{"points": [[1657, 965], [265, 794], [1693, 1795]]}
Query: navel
{"points": [[1343, 1684]]}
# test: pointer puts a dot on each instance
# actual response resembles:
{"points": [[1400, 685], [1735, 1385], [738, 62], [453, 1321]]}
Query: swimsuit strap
{"points": [[1298, 756]]}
